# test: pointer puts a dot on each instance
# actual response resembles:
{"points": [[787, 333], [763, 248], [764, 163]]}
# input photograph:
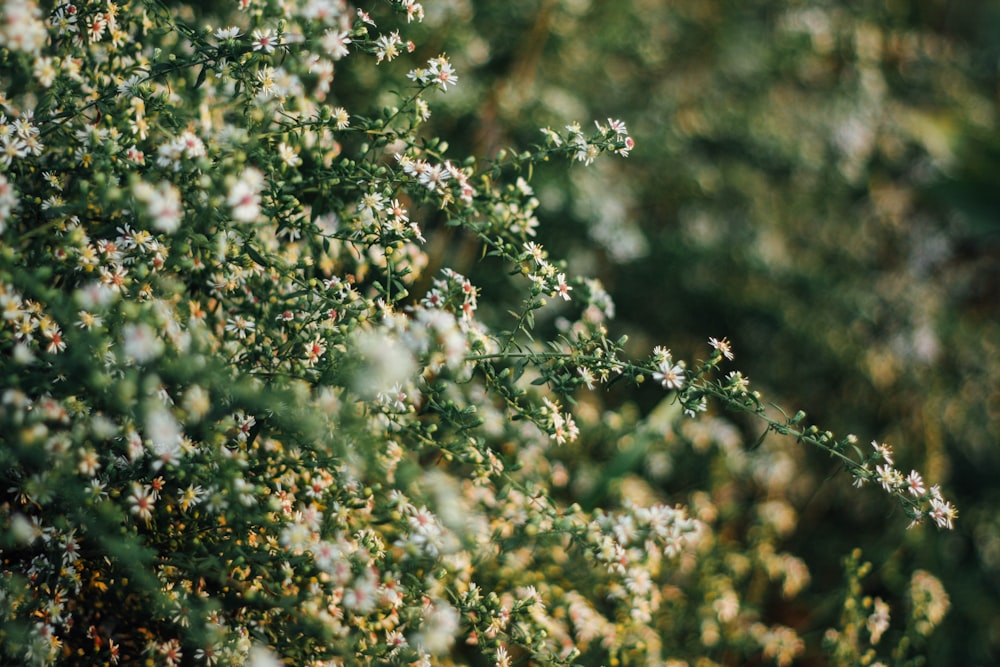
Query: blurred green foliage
{"points": [[816, 180]]}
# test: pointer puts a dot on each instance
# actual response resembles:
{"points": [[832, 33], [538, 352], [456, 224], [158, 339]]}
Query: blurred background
{"points": [[818, 181]]}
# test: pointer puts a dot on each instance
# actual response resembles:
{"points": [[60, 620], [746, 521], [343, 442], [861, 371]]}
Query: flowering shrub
{"points": [[252, 414]]}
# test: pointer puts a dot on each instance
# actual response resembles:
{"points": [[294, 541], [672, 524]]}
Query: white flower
{"points": [[232, 32], [670, 375], [165, 436], [441, 72], [386, 363], [261, 656], [335, 42], [265, 40], [288, 155], [163, 204], [244, 197], [437, 632], [141, 343]]}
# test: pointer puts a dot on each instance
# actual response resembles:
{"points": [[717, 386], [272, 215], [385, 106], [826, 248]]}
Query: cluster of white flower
{"points": [[233, 381], [942, 512], [668, 373], [439, 72]]}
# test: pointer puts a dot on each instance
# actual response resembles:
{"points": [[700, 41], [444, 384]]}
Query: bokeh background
{"points": [[818, 181]]}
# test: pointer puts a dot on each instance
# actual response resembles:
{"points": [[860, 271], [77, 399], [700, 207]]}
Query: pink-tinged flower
{"points": [[141, 502], [244, 424], [441, 72], [335, 42], [915, 484], [56, 342], [943, 513], [265, 40], [627, 148], [71, 548], [314, 350], [562, 289]]}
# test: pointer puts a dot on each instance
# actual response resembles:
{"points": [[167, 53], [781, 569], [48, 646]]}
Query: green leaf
{"points": [[254, 255]]}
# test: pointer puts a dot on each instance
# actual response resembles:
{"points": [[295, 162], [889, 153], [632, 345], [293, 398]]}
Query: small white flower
{"points": [[670, 375], [244, 197], [265, 40], [232, 32], [288, 155], [141, 343]]}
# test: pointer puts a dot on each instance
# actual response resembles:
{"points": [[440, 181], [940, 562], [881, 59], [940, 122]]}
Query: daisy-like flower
{"points": [[562, 289], [882, 451], [141, 501], [617, 126], [535, 252], [265, 40], [241, 326], [669, 374], [387, 47], [433, 177], [335, 43], [414, 10], [723, 346], [56, 342], [441, 72], [265, 77], [232, 32], [942, 512], [341, 118], [89, 463], [915, 484], [890, 478], [12, 148], [163, 204], [288, 155], [314, 350], [191, 496], [128, 87]]}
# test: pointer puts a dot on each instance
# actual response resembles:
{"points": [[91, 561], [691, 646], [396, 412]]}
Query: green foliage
{"points": [[289, 377]]}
